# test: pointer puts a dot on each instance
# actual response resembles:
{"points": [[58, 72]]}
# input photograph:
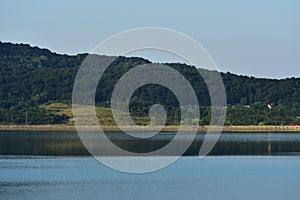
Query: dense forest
{"points": [[31, 77]]}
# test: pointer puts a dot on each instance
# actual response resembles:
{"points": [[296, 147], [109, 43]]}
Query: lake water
{"points": [[64, 143], [241, 166], [215, 177]]}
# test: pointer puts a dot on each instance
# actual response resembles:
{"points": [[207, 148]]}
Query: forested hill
{"points": [[31, 77]]}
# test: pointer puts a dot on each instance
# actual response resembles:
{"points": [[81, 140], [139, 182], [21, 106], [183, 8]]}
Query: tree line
{"points": [[31, 77]]}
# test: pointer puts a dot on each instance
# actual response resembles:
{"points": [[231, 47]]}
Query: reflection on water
{"points": [[68, 143]]}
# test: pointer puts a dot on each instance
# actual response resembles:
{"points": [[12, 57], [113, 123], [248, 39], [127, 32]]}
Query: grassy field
{"points": [[106, 120], [104, 114]]}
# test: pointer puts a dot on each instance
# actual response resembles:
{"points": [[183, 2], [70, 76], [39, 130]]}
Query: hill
{"points": [[32, 79]]}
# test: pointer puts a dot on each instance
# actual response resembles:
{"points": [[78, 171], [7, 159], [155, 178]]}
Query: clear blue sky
{"points": [[259, 38]]}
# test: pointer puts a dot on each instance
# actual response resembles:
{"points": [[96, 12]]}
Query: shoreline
{"points": [[254, 129]]}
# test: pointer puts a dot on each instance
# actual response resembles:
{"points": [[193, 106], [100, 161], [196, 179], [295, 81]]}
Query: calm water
{"points": [[68, 143], [215, 177], [241, 166]]}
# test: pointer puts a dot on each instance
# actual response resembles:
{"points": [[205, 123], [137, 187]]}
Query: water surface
{"points": [[215, 177], [68, 143], [55, 165]]}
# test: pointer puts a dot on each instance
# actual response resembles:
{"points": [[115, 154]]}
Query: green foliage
{"points": [[259, 113], [31, 77]]}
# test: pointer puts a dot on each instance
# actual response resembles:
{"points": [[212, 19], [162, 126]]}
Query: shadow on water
{"points": [[62, 143]]}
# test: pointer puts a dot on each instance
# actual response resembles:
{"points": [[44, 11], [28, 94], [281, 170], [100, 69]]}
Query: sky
{"points": [[255, 38]]}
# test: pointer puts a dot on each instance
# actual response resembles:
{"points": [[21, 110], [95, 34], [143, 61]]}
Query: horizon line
{"points": [[152, 61]]}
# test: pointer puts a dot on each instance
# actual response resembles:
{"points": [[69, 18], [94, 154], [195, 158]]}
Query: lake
{"points": [[215, 177], [65, 143], [55, 165]]}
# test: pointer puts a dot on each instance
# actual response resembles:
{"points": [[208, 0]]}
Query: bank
{"points": [[145, 128]]}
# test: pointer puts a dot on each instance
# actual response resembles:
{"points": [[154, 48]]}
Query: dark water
{"points": [[68, 143]]}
